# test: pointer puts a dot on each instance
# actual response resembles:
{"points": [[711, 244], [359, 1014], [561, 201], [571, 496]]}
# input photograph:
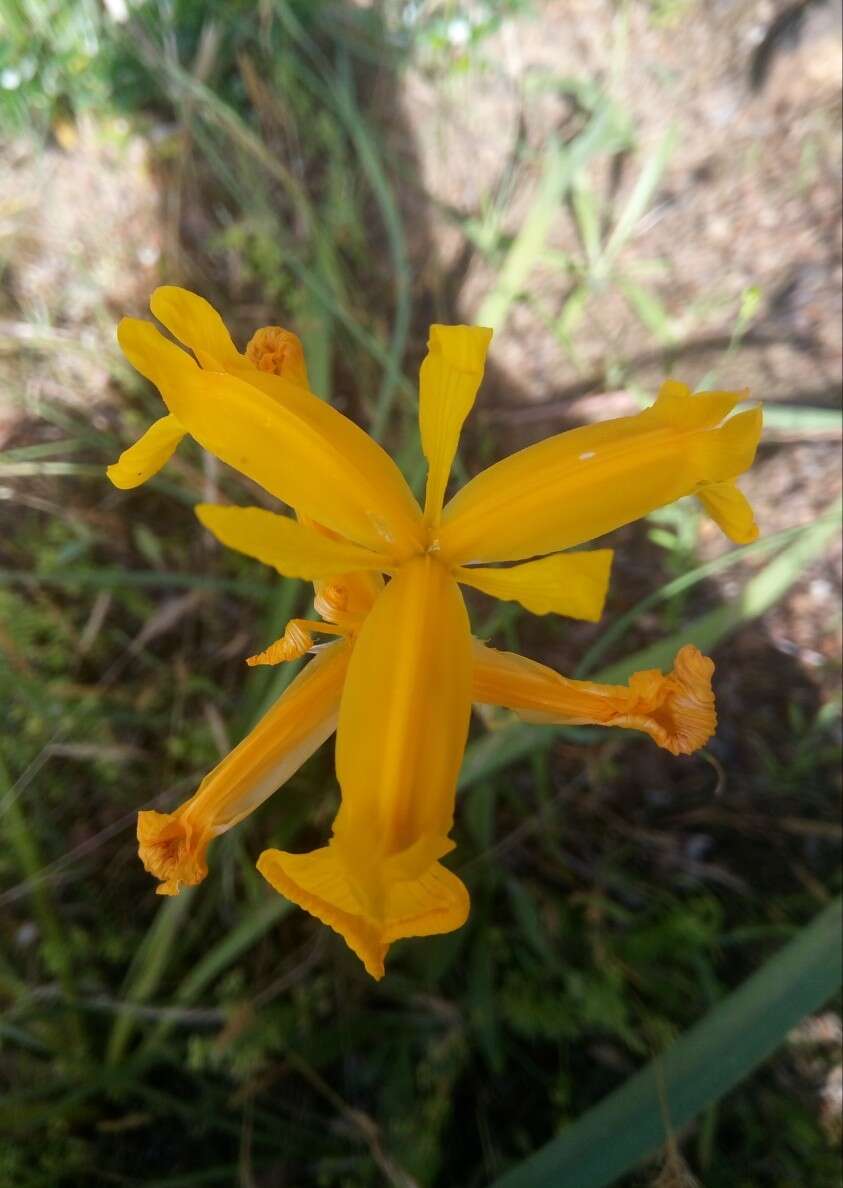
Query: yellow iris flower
{"points": [[399, 682]]}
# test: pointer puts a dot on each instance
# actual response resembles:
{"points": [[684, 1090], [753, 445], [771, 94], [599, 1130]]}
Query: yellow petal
{"points": [[292, 548], [404, 716], [403, 726], [676, 710], [194, 321], [448, 382], [731, 511], [173, 845], [150, 353], [371, 478], [434, 902], [572, 584], [149, 453], [296, 446], [581, 484]]}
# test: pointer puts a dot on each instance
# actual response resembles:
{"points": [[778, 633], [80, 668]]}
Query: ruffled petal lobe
{"points": [[173, 846], [676, 710]]}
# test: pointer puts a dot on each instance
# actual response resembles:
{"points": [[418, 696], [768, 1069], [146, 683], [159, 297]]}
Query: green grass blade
{"points": [[21, 840], [759, 594], [792, 418], [85, 577], [147, 969], [571, 314], [255, 924], [649, 310], [716, 1054], [616, 630], [641, 196], [373, 170], [562, 165], [586, 208]]}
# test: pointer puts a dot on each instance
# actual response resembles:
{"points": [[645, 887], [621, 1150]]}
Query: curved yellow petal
{"points": [[448, 382], [173, 845], [289, 546], [150, 452], [403, 726], [194, 321], [149, 352], [572, 584], [581, 484], [731, 511], [294, 445], [676, 710], [372, 478]]}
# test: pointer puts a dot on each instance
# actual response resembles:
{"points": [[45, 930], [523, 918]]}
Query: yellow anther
{"points": [[296, 640], [331, 601]]}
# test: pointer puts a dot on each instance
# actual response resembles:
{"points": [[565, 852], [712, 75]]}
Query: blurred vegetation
{"points": [[224, 1037]]}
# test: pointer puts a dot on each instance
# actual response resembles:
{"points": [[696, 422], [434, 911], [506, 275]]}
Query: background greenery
{"points": [[620, 897]]}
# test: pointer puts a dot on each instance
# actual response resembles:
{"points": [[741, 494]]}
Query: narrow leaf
{"points": [[642, 194], [561, 167], [716, 1054]]}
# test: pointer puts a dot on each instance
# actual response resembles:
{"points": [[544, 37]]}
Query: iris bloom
{"points": [[399, 680]]}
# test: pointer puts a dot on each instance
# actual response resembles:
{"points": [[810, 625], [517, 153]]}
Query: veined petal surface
{"points": [[173, 845], [448, 381], [581, 484], [149, 453], [676, 710], [572, 584], [294, 445], [291, 547], [435, 901]]}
